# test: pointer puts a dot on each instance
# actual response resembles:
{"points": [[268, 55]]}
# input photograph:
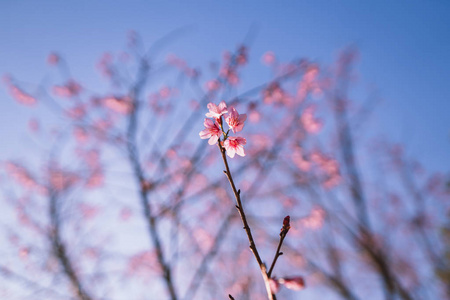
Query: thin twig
{"points": [[240, 208], [283, 233], [277, 254], [138, 172]]}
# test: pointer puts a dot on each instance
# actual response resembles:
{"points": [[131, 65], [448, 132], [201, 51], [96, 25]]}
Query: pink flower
{"points": [[293, 283], [235, 145], [216, 111], [212, 131], [235, 120]]}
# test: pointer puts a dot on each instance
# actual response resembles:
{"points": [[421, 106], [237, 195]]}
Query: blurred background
{"points": [[109, 193]]}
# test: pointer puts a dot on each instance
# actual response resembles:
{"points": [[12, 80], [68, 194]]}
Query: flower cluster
{"points": [[214, 128]]}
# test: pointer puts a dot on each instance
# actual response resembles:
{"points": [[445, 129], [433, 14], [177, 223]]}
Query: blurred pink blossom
{"points": [[329, 167], [61, 180], [274, 285], [165, 92], [213, 85], [242, 56], [91, 157], [254, 116], [203, 238], [293, 283], [315, 219], [21, 174], [70, 89], [80, 134], [77, 112], [309, 122], [123, 105], [21, 96], [144, 263], [95, 179], [268, 58], [309, 82], [274, 94], [24, 252], [53, 59], [300, 161], [259, 143]]}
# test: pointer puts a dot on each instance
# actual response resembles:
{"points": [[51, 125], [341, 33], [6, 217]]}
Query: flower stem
{"points": [[277, 254], [240, 208]]}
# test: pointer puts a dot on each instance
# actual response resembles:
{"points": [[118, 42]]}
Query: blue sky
{"points": [[404, 49]]}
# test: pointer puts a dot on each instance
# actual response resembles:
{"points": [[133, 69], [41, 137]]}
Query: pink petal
{"points": [[231, 152], [240, 151], [213, 140], [204, 134]]}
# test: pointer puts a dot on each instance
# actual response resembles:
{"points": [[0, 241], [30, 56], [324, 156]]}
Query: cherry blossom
{"points": [[235, 121], [235, 145], [212, 131], [216, 111]]}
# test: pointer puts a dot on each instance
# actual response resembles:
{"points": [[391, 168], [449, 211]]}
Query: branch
{"points": [[240, 208], [60, 252], [133, 157], [283, 233]]}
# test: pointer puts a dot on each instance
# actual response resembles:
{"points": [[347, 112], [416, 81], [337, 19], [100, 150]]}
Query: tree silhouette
{"points": [[122, 199]]}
